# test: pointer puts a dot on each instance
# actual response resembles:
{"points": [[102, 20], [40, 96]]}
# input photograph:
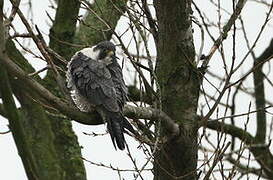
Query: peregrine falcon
{"points": [[94, 79]]}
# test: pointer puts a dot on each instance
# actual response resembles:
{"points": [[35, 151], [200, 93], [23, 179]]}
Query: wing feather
{"points": [[94, 81], [119, 84]]}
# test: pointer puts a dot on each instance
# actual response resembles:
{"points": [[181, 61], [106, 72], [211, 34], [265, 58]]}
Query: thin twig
{"points": [[39, 71], [225, 31]]}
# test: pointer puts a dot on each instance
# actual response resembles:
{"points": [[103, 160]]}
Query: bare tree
{"points": [[185, 112]]}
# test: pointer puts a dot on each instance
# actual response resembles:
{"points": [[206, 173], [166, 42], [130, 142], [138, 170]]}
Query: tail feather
{"points": [[116, 125], [128, 126], [116, 133]]}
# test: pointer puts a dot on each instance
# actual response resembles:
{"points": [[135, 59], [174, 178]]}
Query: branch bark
{"points": [[92, 30], [2, 110], [15, 121], [64, 27], [261, 152], [72, 112], [172, 128], [258, 76], [179, 84], [61, 36]]}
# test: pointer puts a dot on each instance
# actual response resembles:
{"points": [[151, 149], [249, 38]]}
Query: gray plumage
{"points": [[95, 80]]}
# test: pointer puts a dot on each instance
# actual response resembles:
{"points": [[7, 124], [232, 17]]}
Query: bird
{"points": [[95, 81]]}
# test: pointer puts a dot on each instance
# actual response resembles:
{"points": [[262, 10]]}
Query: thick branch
{"points": [[259, 94], [16, 124], [232, 130], [64, 27], [11, 110], [42, 92], [178, 79], [153, 114], [261, 152], [2, 111], [92, 29], [19, 59], [86, 118]]}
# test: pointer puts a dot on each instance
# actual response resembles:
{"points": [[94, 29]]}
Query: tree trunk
{"points": [[179, 83], [66, 143], [30, 126]]}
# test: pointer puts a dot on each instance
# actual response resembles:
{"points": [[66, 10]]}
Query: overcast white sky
{"points": [[100, 149]]}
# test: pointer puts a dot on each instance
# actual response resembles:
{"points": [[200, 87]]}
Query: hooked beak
{"points": [[112, 54]]}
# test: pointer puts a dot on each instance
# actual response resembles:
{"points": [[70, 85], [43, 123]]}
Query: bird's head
{"points": [[106, 51]]}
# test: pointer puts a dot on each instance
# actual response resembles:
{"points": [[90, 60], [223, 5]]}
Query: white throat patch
{"points": [[89, 52]]}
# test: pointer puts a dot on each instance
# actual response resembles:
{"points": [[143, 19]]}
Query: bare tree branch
{"points": [[245, 169], [218, 157], [87, 118], [260, 151], [224, 34], [258, 76], [153, 114], [2, 111], [11, 110]]}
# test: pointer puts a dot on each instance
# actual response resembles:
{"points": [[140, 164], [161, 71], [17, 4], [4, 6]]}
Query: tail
{"points": [[117, 125]]}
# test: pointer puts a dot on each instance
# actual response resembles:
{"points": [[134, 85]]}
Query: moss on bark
{"points": [[175, 68], [93, 30], [65, 142], [64, 26], [40, 138]]}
